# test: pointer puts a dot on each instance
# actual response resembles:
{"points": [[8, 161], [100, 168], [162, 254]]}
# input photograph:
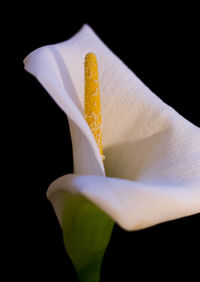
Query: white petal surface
{"points": [[133, 205], [154, 150]]}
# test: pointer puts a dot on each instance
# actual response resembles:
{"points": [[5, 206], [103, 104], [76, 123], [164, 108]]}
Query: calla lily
{"points": [[151, 173]]}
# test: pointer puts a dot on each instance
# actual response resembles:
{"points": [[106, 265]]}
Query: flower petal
{"points": [[143, 138], [133, 205], [59, 68]]}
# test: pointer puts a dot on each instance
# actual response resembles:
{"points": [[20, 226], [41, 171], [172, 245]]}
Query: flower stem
{"points": [[90, 273], [86, 231]]}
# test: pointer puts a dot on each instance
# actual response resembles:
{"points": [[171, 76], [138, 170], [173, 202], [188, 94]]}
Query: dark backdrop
{"points": [[159, 43]]}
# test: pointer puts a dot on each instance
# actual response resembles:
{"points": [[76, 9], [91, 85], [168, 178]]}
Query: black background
{"points": [[160, 44]]}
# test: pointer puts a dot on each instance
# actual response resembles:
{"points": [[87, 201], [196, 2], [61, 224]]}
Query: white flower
{"points": [[151, 173]]}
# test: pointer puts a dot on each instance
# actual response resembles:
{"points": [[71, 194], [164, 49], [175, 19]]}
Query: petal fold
{"points": [[59, 68], [133, 205]]}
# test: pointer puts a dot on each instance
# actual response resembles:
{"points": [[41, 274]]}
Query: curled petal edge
{"points": [[133, 205]]}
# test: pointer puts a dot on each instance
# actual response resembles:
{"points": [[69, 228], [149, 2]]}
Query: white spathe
{"points": [[152, 165]]}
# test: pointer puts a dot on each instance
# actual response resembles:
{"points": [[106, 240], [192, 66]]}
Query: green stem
{"points": [[90, 273], [86, 231]]}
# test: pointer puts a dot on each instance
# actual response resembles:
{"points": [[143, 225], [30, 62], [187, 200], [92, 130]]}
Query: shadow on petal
{"points": [[66, 79], [137, 159]]}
